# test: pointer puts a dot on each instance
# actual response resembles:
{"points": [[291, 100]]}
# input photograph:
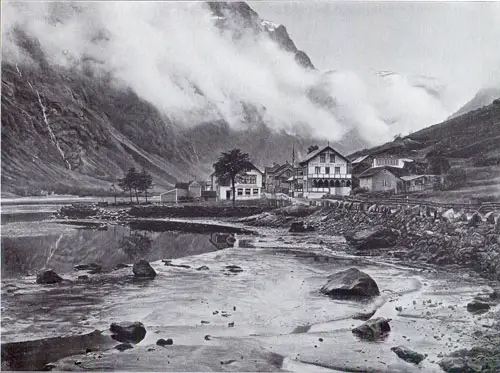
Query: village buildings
{"points": [[248, 185], [279, 178]]}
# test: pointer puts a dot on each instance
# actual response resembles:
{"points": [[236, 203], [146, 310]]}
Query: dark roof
{"points": [[393, 170], [283, 168], [315, 153]]}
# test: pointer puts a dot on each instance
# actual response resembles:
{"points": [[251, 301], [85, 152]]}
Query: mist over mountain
{"points": [[90, 89]]}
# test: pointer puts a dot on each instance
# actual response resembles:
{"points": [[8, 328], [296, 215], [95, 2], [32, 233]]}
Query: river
{"points": [[273, 302]]}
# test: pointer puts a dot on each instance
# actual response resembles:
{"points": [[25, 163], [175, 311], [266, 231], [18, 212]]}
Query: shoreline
{"points": [[315, 217]]}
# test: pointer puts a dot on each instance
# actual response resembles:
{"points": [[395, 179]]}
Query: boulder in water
{"points": [[477, 306], [143, 269], [350, 283], [372, 238], [373, 329], [123, 346], [408, 355], [48, 277], [163, 342], [128, 332]]}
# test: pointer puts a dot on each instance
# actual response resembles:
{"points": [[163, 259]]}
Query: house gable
{"points": [[315, 156]]}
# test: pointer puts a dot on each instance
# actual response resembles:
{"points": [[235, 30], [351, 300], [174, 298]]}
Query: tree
{"points": [[312, 148], [229, 165], [144, 182], [129, 182], [113, 189]]}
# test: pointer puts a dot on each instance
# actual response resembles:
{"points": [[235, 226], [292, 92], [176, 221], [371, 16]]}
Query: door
{"points": [[228, 194]]}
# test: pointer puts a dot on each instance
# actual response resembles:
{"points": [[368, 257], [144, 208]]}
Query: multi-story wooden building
{"points": [[324, 171]]}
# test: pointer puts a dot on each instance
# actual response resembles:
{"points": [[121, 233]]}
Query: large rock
{"points": [[300, 227], [143, 269], [48, 277], [478, 306], [372, 238], [408, 355], [128, 332], [475, 220], [373, 329], [350, 283]]}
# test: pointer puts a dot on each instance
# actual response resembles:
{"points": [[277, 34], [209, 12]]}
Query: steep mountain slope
{"points": [[170, 87], [483, 98], [72, 128], [471, 135]]}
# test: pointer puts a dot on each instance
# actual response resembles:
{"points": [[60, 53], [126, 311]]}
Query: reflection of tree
{"points": [[136, 246]]}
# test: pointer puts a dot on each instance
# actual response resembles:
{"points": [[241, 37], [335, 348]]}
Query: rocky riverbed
{"points": [[258, 305]]}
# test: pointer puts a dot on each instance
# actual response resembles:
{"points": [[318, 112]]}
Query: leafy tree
{"points": [[144, 182], [312, 148], [229, 165], [129, 182]]}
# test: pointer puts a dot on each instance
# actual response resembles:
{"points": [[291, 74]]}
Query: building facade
{"points": [[248, 185], [324, 171], [278, 178], [382, 179], [189, 191]]}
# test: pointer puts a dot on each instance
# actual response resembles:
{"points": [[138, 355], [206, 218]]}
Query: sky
{"points": [[456, 42], [173, 55]]}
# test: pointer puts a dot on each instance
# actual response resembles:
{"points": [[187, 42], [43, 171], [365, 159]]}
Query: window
{"points": [[332, 158], [240, 191], [248, 179], [256, 191], [327, 170], [317, 170], [322, 158], [247, 191], [337, 170]]}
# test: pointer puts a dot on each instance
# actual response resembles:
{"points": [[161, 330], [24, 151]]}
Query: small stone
{"points": [[123, 346], [231, 324], [163, 342]]}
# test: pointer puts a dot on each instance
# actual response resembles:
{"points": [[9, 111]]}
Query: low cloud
{"points": [[172, 55]]}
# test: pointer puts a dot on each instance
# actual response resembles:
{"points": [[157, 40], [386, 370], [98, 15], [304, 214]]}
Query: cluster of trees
{"points": [[136, 182]]}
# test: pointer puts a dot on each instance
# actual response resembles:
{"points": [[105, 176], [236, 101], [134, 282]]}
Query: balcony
{"points": [[328, 176]]}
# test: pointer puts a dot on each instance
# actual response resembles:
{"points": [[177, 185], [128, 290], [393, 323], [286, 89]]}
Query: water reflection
{"points": [[23, 255], [136, 245]]}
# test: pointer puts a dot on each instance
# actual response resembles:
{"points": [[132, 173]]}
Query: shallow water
{"points": [[274, 301]]}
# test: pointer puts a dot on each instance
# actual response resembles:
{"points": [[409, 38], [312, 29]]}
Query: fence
{"points": [[398, 201]]}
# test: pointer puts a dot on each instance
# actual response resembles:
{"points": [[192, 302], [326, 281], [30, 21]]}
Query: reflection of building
{"points": [[278, 178], [182, 192], [325, 171], [248, 185]]}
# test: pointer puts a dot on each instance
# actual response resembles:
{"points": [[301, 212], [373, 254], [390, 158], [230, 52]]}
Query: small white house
{"points": [[248, 185], [182, 192]]}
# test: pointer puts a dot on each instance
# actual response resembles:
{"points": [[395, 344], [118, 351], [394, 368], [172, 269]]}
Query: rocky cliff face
{"points": [[68, 128], [78, 110]]}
